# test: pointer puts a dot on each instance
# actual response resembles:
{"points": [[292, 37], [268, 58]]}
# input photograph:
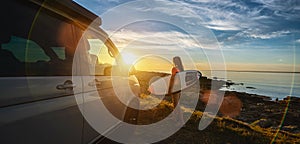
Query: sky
{"points": [[250, 35]]}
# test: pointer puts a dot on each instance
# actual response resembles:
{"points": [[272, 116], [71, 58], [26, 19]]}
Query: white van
{"points": [[47, 49]]}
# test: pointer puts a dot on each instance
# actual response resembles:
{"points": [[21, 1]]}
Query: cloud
{"points": [[169, 40], [240, 20], [298, 41], [262, 20], [229, 15], [288, 9], [270, 35], [222, 25], [217, 15]]}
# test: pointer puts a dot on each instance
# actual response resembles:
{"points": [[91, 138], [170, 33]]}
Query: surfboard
{"points": [[182, 80]]}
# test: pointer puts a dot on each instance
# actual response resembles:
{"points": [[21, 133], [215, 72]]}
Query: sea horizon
{"points": [[268, 83]]}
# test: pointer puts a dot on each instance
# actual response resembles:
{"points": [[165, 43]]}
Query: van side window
{"points": [[22, 57]]}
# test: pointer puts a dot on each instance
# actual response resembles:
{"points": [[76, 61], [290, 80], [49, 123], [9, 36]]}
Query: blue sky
{"points": [[252, 34]]}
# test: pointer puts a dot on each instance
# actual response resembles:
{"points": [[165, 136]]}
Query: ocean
{"points": [[272, 84]]}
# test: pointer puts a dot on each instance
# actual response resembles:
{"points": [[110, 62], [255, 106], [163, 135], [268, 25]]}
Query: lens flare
{"points": [[128, 58]]}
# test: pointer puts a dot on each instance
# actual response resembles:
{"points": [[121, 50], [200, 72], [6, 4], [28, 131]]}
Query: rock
{"points": [[264, 123], [287, 98], [229, 83], [260, 104], [295, 99], [289, 128], [249, 87]]}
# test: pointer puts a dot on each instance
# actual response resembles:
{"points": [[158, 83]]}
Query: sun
{"points": [[128, 58]]}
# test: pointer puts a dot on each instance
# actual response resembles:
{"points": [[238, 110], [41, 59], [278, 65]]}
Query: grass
{"points": [[221, 130]]}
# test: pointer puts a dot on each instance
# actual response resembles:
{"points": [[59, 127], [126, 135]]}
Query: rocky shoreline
{"points": [[250, 109], [262, 110]]}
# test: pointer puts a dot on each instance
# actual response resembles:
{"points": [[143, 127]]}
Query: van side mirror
{"points": [[182, 80]]}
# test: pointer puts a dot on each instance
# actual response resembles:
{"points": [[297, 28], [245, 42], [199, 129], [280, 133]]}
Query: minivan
{"points": [[55, 62]]}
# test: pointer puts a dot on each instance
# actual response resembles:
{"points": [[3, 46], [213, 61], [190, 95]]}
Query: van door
{"points": [[102, 76]]}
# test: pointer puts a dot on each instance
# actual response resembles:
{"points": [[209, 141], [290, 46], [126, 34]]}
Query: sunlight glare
{"points": [[129, 58]]}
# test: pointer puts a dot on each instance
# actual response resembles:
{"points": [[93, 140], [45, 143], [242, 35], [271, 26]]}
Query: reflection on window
{"points": [[100, 57], [60, 52], [98, 49], [25, 50], [22, 57]]}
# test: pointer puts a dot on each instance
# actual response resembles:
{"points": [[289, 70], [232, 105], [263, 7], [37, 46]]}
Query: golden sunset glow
{"points": [[129, 58], [152, 63]]}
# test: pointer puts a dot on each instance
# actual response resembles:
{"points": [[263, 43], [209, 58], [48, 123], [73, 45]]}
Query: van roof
{"points": [[70, 10]]}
